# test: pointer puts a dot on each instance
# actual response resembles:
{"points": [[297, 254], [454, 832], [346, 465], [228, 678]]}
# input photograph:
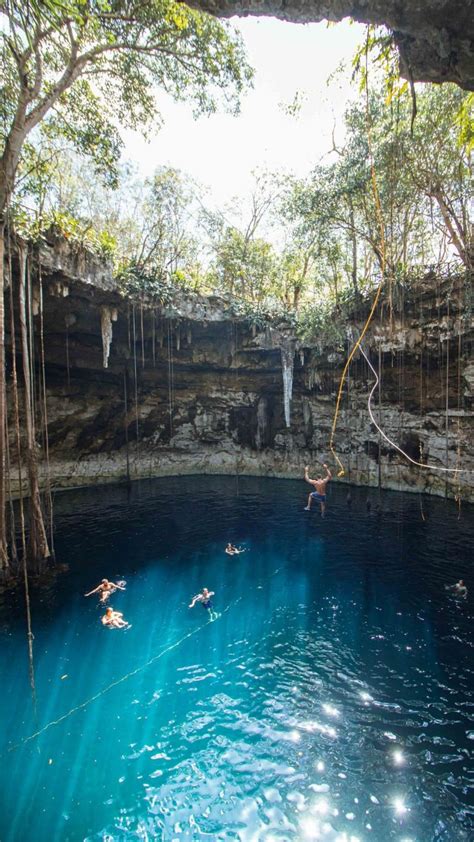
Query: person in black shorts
{"points": [[205, 599], [320, 493]]}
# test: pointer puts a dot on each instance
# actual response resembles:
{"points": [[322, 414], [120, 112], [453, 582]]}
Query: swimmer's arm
{"points": [[195, 599], [94, 591], [311, 481], [328, 472], [211, 593], [117, 586]]}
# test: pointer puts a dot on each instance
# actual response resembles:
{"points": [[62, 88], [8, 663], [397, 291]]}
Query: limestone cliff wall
{"points": [[138, 389]]}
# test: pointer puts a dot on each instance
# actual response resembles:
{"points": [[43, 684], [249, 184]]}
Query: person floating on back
{"points": [[205, 599], [231, 550], [113, 619], [105, 588], [320, 485]]}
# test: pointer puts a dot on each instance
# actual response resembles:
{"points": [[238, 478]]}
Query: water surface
{"points": [[331, 699]]}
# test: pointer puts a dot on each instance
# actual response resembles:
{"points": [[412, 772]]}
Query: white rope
{"points": [[392, 443]]}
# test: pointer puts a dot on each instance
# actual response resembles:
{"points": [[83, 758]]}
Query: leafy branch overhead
{"points": [[88, 67]]}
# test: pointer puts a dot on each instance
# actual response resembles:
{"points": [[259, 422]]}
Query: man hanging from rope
{"points": [[320, 485]]}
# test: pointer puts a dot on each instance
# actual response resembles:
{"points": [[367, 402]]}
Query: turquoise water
{"points": [[331, 699]]}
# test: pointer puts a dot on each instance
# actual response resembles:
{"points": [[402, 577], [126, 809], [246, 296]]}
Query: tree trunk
{"points": [[3, 528], [38, 548]]}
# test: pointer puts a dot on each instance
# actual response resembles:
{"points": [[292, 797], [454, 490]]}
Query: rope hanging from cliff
{"points": [[458, 448], [170, 377], [380, 221], [29, 628], [389, 440], [45, 412]]}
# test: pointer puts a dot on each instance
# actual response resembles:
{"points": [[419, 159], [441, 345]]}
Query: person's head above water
{"points": [[108, 611], [204, 591], [105, 581], [461, 583]]}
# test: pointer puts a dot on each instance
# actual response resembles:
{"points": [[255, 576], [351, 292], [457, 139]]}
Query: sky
{"points": [[221, 151]]}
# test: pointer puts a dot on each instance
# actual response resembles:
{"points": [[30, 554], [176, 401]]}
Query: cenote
{"points": [[330, 699]]}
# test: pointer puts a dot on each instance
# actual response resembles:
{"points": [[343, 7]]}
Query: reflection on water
{"points": [[330, 700]]}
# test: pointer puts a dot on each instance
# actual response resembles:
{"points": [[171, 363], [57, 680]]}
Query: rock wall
{"points": [[138, 389], [435, 38]]}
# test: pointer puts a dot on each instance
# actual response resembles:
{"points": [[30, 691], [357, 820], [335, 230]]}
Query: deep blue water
{"points": [[331, 699]]}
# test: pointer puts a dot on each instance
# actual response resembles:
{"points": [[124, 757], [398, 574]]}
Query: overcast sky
{"points": [[221, 151]]}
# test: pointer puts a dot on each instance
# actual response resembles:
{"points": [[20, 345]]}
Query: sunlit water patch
{"points": [[331, 698]]}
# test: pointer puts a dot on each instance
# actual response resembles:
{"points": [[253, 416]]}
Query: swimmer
{"points": [[106, 588], [459, 588], [320, 485], [231, 550], [114, 619], [205, 599]]}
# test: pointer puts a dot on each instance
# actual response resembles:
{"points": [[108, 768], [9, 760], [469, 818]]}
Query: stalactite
{"points": [[153, 338], [108, 315], [38, 548], [301, 357], [287, 363], [178, 338], [189, 336]]}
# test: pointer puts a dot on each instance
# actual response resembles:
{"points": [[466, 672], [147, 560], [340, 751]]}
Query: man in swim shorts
{"points": [[320, 493], [231, 550], [114, 619], [205, 599], [106, 588]]}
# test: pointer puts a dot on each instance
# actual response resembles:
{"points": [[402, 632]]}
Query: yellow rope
{"points": [[355, 347]]}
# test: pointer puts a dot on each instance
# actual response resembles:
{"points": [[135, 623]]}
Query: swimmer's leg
{"points": [[308, 507], [323, 509]]}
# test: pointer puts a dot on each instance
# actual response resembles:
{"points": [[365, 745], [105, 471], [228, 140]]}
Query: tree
{"points": [[424, 189], [79, 66], [244, 267]]}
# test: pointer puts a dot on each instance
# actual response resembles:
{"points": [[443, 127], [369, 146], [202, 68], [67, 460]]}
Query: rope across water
{"points": [[118, 681]]}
